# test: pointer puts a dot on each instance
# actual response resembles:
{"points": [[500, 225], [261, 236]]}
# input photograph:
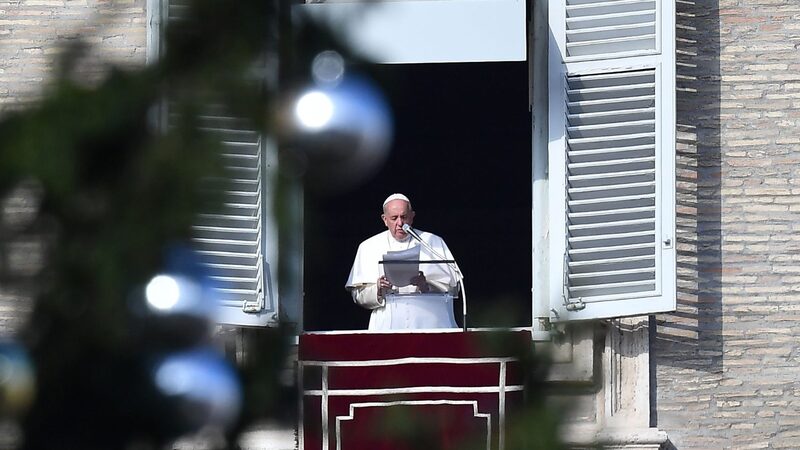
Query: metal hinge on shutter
{"points": [[258, 305]]}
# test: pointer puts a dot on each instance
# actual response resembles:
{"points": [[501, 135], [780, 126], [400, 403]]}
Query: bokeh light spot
{"points": [[162, 292], [204, 383], [314, 110], [328, 68]]}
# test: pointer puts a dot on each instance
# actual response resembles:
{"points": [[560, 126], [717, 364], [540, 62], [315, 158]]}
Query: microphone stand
{"points": [[454, 265]]}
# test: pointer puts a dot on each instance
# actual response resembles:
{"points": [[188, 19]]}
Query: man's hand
{"points": [[421, 283], [384, 287]]}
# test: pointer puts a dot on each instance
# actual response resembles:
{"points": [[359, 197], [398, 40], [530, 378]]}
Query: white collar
{"points": [[398, 244]]}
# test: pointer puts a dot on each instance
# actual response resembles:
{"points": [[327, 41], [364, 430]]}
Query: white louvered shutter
{"points": [[611, 158], [231, 239]]}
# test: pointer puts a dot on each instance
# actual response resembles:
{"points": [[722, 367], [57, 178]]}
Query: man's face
{"points": [[395, 214]]}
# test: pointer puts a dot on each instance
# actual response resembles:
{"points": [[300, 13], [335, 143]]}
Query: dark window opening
{"points": [[462, 153]]}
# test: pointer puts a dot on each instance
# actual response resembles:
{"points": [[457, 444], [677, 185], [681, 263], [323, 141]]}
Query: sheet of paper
{"points": [[401, 266]]}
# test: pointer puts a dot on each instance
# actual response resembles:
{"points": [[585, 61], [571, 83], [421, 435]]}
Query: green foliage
{"points": [[117, 190]]}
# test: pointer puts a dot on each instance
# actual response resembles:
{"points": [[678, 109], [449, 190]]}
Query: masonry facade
{"points": [[35, 32], [722, 370], [726, 360]]}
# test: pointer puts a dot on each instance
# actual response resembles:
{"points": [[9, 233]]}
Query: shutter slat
{"points": [[228, 266], [603, 104], [592, 250], [246, 194], [233, 144], [244, 293], [612, 115], [213, 241], [573, 204], [599, 32], [240, 156], [245, 181], [649, 149], [578, 276], [632, 18], [604, 188], [618, 260], [612, 162], [611, 46], [611, 288], [615, 92], [235, 279], [600, 237], [606, 129], [594, 142], [599, 215], [227, 217], [224, 229], [595, 226], [608, 175], [230, 255], [607, 4], [243, 208]]}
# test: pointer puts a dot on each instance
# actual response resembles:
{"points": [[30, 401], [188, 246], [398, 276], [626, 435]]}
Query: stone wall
{"points": [[33, 33], [727, 362]]}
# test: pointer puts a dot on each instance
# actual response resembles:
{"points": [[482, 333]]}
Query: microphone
{"points": [[407, 228]]}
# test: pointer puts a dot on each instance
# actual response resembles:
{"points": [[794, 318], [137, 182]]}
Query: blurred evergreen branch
{"points": [[115, 191]]}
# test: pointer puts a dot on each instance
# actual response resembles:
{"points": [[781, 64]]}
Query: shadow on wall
{"points": [[691, 337]]}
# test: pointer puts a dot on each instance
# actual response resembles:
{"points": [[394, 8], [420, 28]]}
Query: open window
{"points": [[595, 238], [456, 76]]}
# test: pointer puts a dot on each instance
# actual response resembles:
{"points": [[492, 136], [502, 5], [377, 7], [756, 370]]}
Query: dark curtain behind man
{"points": [[462, 153]]}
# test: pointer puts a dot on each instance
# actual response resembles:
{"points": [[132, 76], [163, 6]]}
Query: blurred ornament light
{"points": [[176, 308], [327, 68], [314, 110], [184, 287], [169, 293], [341, 125], [17, 380], [202, 388]]}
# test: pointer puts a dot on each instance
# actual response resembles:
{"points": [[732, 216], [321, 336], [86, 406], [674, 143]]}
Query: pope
{"points": [[368, 283]]}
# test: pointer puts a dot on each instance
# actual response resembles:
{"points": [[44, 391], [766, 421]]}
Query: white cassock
{"points": [[362, 282]]}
